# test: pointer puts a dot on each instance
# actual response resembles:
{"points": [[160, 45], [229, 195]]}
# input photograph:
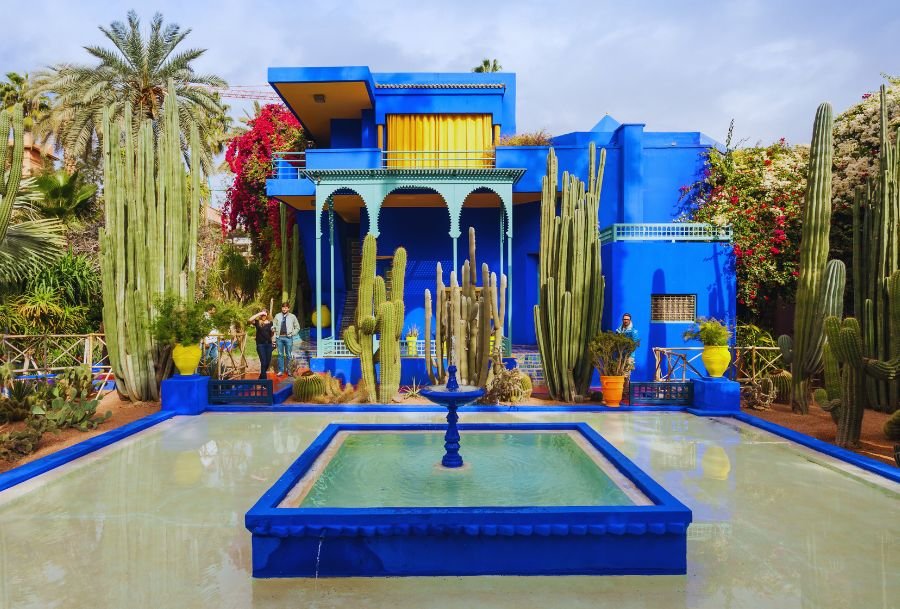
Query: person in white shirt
{"points": [[286, 329]]}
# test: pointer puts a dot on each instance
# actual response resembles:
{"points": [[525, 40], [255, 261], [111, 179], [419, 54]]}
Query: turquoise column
{"points": [[331, 247]]}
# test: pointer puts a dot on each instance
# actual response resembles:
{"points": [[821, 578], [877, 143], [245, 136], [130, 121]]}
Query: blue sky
{"points": [[674, 65]]}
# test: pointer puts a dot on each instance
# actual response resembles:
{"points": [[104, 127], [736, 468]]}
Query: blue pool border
{"points": [[25, 472], [37, 467], [453, 541]]}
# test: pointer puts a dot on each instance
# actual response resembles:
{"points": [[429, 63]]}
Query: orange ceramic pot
{"points": [[612, 387]]}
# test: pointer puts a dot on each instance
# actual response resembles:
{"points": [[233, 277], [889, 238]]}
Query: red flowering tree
{"points": [[759, 192], [249, 155]]}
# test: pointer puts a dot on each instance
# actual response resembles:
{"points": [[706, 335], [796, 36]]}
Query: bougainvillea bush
{"points": [[249, 155], [759, 192]]}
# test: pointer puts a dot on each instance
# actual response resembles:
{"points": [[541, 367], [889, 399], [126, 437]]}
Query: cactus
{"points": [[471, 315], [846, 370], [820, 286], [571, 282], [378, 313], [9, 184], [149, 241], [290, 259], [307, 386], [892, 427], [876, 253]]}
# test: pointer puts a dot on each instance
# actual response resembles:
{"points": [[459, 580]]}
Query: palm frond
{"points": [[28, 246]]}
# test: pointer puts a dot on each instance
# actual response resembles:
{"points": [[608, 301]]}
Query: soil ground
{"points": [[123, 412]]}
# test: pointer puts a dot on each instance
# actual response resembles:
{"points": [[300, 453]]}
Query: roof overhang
{"points": [[318, 95]]}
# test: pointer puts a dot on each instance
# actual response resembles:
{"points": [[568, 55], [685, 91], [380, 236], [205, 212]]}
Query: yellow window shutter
{"points": [[439, 140]]}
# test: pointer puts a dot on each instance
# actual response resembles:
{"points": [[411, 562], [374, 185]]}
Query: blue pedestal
{"points": [[717, 394], [185, 394]]}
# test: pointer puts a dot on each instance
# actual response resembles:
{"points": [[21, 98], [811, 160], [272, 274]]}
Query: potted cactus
{"points": [[182, 325], [714, 336], [412, 339], [613, 358]]}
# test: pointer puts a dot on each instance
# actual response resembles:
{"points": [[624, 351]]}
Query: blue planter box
{"points": [[556, 540]]}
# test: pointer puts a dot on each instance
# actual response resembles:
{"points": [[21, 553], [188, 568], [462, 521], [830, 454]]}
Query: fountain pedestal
{"points": [[452, 397]]}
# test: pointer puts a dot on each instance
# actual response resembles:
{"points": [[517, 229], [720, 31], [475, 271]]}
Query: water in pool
{"points": [[502, 469]]}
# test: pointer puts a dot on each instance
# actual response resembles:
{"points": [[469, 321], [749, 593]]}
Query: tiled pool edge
{"points": [[25, 472], [454, 541]]}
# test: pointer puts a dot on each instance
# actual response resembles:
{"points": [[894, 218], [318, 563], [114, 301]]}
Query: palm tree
{"points": [[26, 243], [488, 65], [18, 89], [135, 72], [64, 196]]}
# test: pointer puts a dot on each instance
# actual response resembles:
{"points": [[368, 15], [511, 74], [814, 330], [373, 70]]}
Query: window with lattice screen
{"points": [[673, 307]]}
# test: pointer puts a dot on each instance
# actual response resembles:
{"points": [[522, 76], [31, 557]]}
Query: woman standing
{"points": [[263, 326]]}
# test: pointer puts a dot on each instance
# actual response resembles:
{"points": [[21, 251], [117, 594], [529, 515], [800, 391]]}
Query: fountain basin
{"points": [[350, 507]]}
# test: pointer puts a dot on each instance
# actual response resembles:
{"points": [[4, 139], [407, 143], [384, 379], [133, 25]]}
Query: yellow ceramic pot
{"points": [[186, 358], [611, 387], [412, 346], [715, 463], [716, 359]]}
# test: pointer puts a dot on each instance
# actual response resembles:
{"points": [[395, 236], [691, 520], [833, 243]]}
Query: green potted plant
{"points": [[182, 325], [612, 353], [412, 339], [714, 335]]}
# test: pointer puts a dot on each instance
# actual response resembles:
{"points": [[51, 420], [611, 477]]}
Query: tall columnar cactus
{"points": [[813, 295], [571, 282], [9, 185], [378, 313], [876, 253], [846, 370], [149, 241], [290, 259], [467, 317]]}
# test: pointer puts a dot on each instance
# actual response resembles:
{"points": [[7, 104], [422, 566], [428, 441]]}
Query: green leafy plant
{"points": [[73, 383], [709, 331], [612, 353], [411, 391], [180, 322]]}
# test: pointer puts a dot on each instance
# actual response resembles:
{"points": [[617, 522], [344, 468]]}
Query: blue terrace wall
{"points": [[636, 270]]}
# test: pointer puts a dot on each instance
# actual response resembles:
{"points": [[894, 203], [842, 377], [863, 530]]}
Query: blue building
{"points": [[416, 159]]}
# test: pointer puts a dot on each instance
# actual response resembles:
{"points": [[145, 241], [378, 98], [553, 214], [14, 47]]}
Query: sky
{"points": [[676, 65]]}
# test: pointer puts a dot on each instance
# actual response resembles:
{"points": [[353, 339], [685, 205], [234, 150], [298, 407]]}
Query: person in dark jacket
{"points": [[264, 337]]}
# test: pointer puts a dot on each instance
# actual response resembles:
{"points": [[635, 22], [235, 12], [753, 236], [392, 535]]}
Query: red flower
{"points": [[768, 162], [795, 273], [774, 250]]}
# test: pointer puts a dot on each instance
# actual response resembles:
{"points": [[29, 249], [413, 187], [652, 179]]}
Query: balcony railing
{"points": [[666, 231], [288, 165], [433, 159], [292, 165]]}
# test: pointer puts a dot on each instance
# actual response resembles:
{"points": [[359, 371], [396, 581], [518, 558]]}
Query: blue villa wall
{"points": [[641, 184], [636, 270]]}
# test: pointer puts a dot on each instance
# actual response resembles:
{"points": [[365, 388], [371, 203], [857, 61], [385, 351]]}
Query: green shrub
{"points": [[709, 331], [180, 322], [612, 353], [540, 137]]}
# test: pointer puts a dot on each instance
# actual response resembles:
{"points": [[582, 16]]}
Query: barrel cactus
{"points": [[892, 427], [378, 313], [570, 281], [308, 386]]}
